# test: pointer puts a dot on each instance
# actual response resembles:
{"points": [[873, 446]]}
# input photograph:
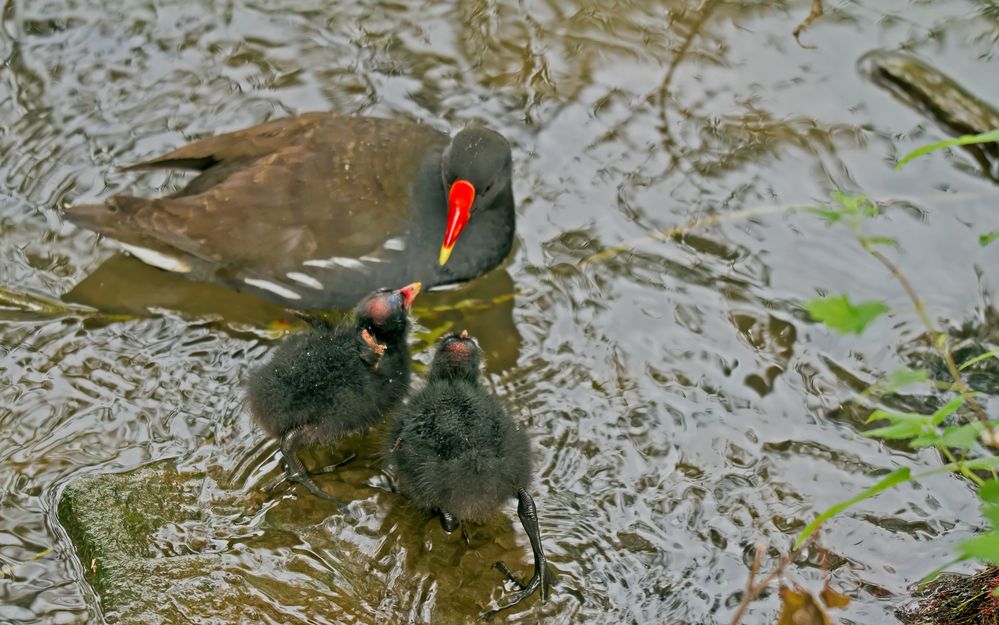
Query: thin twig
{"points": [[39, 305], [8, 571], [672, 233], [813, 14], [753, 588], [756, 211], [757, 559]]}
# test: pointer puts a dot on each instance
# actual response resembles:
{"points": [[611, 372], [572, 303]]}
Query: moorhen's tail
{"points": [[113, 220]]}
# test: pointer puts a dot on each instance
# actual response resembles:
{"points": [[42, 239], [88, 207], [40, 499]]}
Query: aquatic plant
{"points": [[960, 430], [970, 431]]}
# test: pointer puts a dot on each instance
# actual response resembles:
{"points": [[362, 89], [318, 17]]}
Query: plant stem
{"points": [[960, 463], [47, 307], [937, 338]]}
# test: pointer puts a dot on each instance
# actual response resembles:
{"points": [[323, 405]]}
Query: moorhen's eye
{"points": [[489, 187]]}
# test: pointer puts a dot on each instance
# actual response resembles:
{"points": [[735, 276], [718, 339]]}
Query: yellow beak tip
{"points": [[445, 254]]}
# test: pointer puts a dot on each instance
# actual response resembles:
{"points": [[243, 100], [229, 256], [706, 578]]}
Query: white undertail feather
{"points": [[337, 261], [277, 289], [397, 244], [305, 279], [157, 259]]}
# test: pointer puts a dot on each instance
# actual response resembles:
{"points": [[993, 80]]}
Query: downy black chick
{"points": [[456, 452], [333, 380]]}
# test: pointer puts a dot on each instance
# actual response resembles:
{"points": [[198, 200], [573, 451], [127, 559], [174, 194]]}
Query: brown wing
{"points": [[257, 141], [335, 187]]}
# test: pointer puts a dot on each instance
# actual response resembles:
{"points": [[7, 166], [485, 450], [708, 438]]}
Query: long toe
{"points": [[333, 467], [517, 598], [507, 573], [549, 582], [532, 586], [307, 482]]}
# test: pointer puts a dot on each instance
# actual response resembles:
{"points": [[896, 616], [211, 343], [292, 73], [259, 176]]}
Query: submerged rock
{"points": [[162, 545], [159, 545], [938, 97], [113, 521]]}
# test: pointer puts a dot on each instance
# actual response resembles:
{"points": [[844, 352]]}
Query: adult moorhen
{"points": [[311, 210], [335, 379], [457, 452]]}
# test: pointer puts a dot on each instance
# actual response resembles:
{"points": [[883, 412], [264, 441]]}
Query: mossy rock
{"points": [[150, 553], [113, 519]]}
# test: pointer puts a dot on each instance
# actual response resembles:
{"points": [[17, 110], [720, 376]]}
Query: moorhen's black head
{"points": [[476, 168], [385, 313], [457, 357]]}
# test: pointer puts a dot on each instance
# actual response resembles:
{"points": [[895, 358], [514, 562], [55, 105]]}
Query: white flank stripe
{"points": [[272, 287], [305, 279], [396, 244], [337, 261], [372, 259], [157, 259]]}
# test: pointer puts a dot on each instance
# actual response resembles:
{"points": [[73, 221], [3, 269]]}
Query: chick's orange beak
{"points": [[459, 209], [409, 293]]}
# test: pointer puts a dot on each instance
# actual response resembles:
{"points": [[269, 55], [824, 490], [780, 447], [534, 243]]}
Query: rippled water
{"points": [[682, 406]]}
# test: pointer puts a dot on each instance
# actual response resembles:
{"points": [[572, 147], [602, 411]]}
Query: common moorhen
{"points": [[457, 452], [333, 380], [311, 210]]}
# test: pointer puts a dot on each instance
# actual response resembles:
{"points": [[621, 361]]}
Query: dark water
{"points": [[682, 406]]}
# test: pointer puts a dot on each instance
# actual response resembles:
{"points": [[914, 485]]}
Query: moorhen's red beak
{"points": [[459, 209], [409, 293]]}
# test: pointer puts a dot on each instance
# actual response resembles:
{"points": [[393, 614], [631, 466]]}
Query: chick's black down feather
{"points": [[456, 449], [322, 378]]}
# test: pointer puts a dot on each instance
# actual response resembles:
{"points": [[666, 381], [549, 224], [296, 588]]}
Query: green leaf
{"points": [[947, 410], [978, 358], [855, 205], [984, 547], [892, 479], [831, 216], [988, 237], [961, 436], [991, 512], [984, 463], [985, 137], [988, 492], [903, 425], [879, 240], [898, 379], [896, 432], [839, 314], [922, 429], [913, 418]]}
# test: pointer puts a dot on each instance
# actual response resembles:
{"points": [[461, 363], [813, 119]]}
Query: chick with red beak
{"points": [[335, 378], [409, 293]]}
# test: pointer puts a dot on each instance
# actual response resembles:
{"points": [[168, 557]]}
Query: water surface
{"points": [[682, 406]]}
